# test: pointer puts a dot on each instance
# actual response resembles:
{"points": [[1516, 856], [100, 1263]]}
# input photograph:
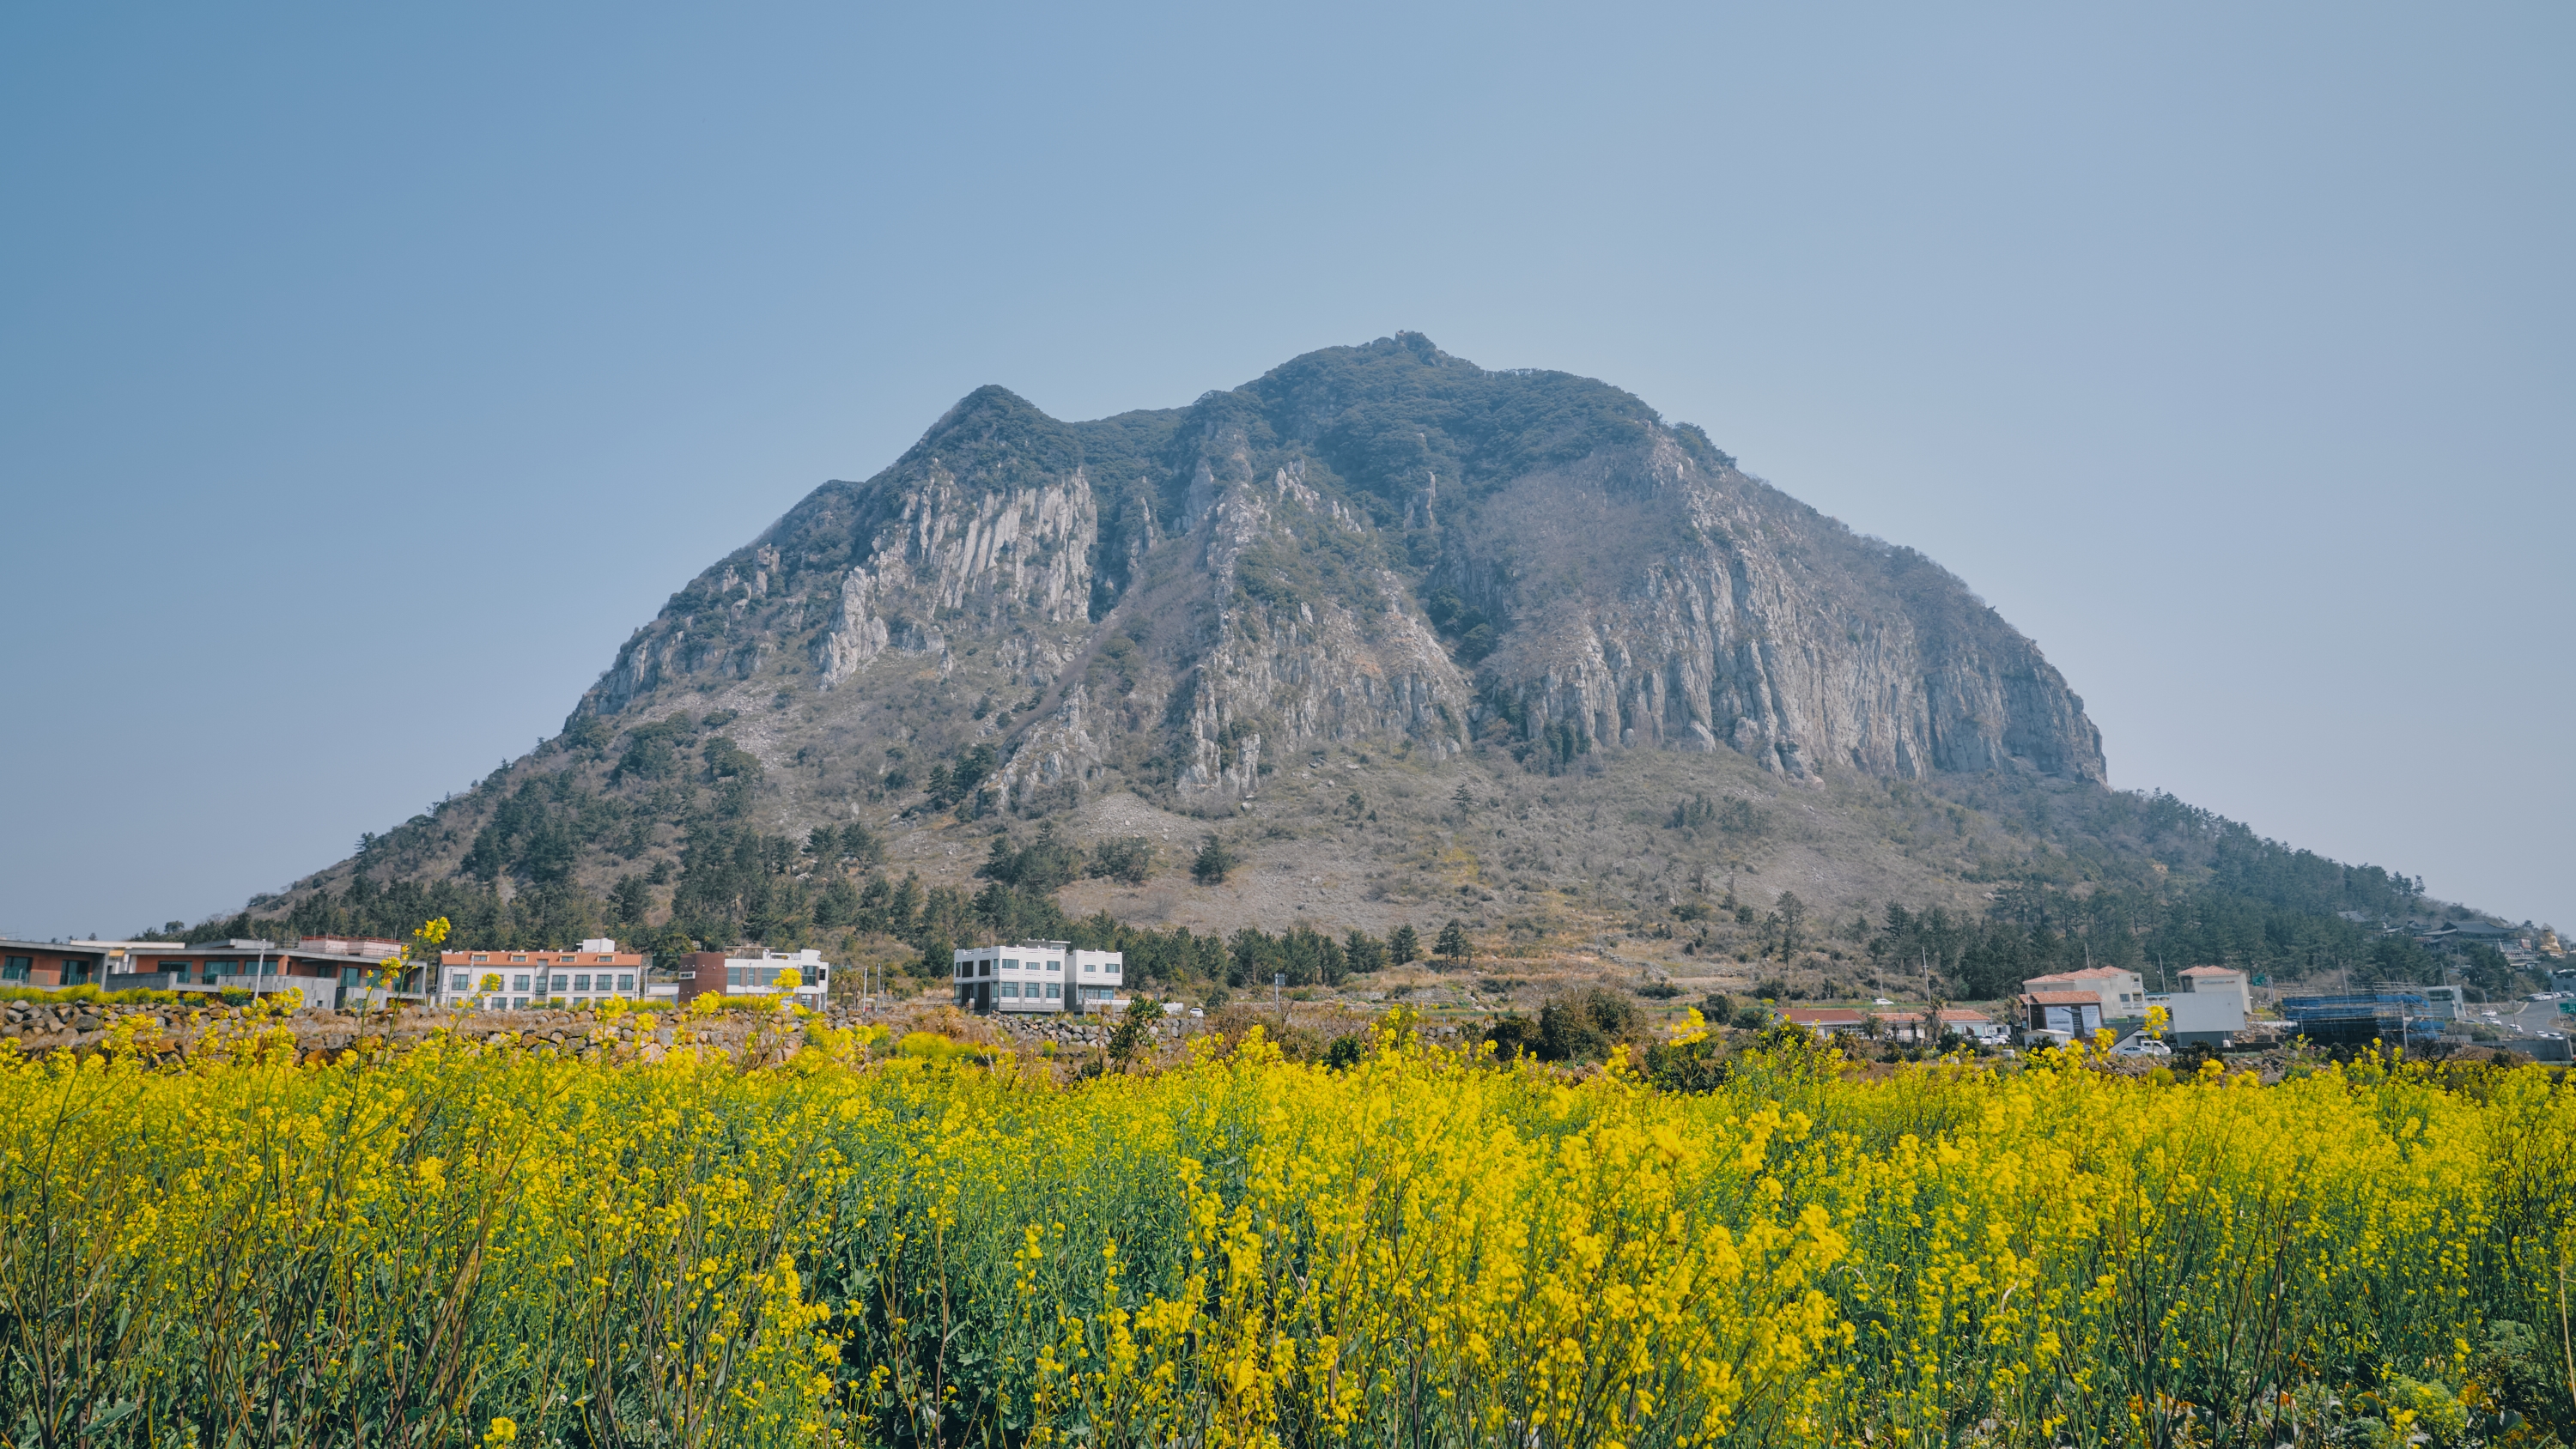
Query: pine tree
{"points": [[1214, 862], [632, 899], [1793, 918], [1453, 941], [1404, 947]]}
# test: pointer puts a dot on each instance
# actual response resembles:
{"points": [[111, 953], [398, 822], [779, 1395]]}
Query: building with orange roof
{"points": [[594, 975], [1825, 1020], [1976, 1026]]}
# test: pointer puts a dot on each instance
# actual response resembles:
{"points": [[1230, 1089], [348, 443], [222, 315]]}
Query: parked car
{"points": [[2139, 1045]]}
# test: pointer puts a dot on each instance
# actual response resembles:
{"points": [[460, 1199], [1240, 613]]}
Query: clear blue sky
{"points": [[367, 373]]}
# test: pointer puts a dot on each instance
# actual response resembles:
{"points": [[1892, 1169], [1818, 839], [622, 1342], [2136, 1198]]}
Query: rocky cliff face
{"points": [[1737, 618], [1381, 544]]}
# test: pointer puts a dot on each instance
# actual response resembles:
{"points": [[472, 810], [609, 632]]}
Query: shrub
{"points": [[930, 1046], [1514, 1036], [1215, 861], [1133, 1037], [1687, 1067], [1584, 1025], [714, 1001], [72, 995], [1128, 859]]}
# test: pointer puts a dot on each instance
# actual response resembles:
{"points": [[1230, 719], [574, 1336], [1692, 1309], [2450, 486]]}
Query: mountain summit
{"points": [[1381, 545]]}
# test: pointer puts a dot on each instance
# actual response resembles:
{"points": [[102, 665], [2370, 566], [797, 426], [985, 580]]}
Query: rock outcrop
{"points": [[1375, 544]]}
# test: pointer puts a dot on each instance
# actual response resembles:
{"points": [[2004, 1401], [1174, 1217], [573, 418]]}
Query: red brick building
{"points": [[49, 965]]}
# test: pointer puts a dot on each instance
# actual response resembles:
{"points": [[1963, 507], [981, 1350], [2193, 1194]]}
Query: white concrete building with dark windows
{"points": [[1037, 976], [515, 980], [702, 972]]}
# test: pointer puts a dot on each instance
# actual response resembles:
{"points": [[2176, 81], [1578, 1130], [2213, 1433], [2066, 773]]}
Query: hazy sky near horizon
{"points": [[367, 374]]}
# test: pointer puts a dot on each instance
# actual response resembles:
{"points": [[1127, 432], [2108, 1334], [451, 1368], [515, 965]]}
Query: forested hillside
{"points": [[2185, 887]]}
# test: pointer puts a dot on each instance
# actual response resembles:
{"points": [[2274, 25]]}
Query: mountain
{"points": [[1374, 544], [1411, 638]]}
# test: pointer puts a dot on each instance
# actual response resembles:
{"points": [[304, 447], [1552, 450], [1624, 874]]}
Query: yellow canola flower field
{"points": [[457, 1244]]}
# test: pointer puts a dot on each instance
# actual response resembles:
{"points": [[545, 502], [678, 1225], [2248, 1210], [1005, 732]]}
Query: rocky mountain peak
{"points": [[1380, 543], [1499, 639]]}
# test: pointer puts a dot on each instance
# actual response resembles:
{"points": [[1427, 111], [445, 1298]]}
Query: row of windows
{"points": [[20, 968], [1053, 991], [212, 969], [765, 974], [542, 960], [461, 982], [520, 1003], [984, 967]]}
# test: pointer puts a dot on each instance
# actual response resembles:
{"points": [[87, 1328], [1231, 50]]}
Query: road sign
{"points": [[2567, 1008]]}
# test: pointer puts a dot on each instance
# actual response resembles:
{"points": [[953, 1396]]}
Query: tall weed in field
{"points": [[460, 1244]]}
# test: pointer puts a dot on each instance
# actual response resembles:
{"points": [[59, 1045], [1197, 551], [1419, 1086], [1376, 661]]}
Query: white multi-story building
{"points": [[713, 971], [2220, 981], [515, 980], [1038, 976]]}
